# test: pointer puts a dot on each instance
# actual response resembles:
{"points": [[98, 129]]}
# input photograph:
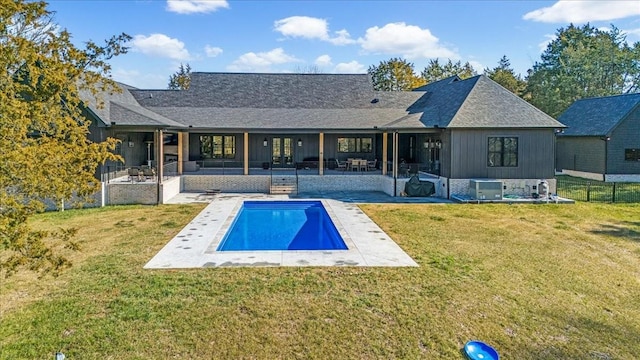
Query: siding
{"points": [[581, 153], [625, 136], [535, 154]]}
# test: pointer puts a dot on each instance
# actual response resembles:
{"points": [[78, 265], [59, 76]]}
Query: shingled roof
{"points": [[323, 102], [121, 108], [597, 116], [479, 102]]}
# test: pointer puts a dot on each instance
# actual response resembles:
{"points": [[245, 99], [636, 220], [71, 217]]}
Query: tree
{"points": [[583, 62], [394, 75], [43, 134], [504, 75], [181, 80], [435, 71]]}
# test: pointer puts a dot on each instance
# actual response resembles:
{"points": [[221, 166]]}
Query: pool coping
{"points": [[191, 247]]}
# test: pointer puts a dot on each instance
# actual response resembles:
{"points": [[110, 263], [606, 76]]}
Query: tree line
{"points": [[582, 61]]}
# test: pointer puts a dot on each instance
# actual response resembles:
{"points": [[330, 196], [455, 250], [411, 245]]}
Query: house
{"points": [[602, 139], [234, 131]]}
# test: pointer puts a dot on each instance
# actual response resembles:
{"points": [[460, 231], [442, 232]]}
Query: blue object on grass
{"points": [[477, 350]]}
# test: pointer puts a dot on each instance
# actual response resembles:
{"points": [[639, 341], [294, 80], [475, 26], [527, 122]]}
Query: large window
{"points": [[354, 145], [632, 154], [218, 146], [503, 152]]}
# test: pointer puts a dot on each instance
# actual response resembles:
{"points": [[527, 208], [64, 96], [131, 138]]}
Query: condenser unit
{"points": [[485, 189]]}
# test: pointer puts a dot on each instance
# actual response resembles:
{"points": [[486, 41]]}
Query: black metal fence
{"points": [[597, 191]]}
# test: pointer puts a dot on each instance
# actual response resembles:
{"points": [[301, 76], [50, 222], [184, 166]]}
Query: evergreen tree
{"points": [[43, 133], [583, 62], [181, 80], [504, 75], [394, 75], [435, 71]]}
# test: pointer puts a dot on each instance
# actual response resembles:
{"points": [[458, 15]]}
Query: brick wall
{"points": [[522, 187], [227, 183], [132, 193]]}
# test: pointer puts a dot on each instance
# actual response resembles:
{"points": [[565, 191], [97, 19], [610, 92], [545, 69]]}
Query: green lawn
{"points": [[535, 281]]}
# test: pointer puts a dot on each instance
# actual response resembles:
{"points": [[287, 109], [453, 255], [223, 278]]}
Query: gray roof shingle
{"points": [[597, 116], [123, 109], [322, 102]]}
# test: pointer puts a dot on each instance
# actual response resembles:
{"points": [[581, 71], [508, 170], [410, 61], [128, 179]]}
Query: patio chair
{"points": [[134, 174], [362, 165], [148, 173], [371, 165], [341, 166], [403, 170]]}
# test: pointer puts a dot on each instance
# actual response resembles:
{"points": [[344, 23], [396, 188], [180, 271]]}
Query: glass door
{"points": [[282, 152]]}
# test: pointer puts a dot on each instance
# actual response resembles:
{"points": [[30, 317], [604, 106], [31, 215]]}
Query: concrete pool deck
{"points": [[195, 245]]}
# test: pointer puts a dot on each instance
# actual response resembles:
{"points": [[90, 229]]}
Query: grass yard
{"points": [[535, 281]]}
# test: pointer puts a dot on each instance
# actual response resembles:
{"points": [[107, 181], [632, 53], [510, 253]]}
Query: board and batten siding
{"points": [[581, 153], [469, 152], [625, 136]]}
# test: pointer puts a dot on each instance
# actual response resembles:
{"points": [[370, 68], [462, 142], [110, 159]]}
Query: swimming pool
{"points": [[282, 225]]}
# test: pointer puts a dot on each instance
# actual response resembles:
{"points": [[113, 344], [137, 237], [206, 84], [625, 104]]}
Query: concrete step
{"points": [[283, 190]]}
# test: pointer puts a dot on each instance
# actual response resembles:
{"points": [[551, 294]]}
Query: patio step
{"points": [[283, 185]]}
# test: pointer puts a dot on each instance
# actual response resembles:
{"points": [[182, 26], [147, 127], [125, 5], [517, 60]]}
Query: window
{"points": [[218, 146], [503, 152], [355, 145], [170, 139], [631, 154]]}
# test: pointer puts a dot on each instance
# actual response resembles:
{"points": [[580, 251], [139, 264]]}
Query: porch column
{"points": [[180, 153], [159, 140], [395, 155], [321, 155], [185, 148], [385, 145], [246, 153]]}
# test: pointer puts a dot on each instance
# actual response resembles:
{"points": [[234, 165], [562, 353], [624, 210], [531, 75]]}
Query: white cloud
{"points": [[311, 28], [633, 33], [302, 26], [261, 62], [410, 41], [196, 6], [352, 67], [543, 45], [212, 51], [342, 38], [583, 11], [323, 60], [160, 45], [477, 66]]}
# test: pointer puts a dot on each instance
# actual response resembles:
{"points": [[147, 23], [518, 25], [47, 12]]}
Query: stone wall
{"points": [[521, 187], [145, 193], [227, 183], [622, 178], [583, 174]]}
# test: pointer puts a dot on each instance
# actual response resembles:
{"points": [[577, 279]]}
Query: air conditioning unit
{"points": [[485, 189]]}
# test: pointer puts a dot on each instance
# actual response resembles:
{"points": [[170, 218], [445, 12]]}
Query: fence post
{"points": [[613, 195], [588, 191]]}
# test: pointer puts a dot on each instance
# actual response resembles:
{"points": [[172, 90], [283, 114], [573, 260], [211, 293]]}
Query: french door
{"points": [[282, 152]]}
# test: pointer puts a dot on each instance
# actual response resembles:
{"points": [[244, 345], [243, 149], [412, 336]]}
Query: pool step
{"points": [[283, 185]]}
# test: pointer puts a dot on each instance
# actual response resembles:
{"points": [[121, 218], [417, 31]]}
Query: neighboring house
{"points": [[602, 139], [227, 127]]}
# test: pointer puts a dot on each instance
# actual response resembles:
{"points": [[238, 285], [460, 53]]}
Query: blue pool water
{"points": [[282, 225]]}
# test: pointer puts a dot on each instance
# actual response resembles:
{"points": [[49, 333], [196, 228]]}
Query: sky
{"points": [[327, 36]]}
